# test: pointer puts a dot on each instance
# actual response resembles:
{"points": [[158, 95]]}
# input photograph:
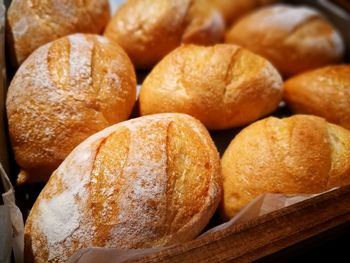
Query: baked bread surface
{"points": [[324, 92], [150, 29], [232, 10], [223, 86], [301, 154], [294, 39], [64, 92], [147, 182], [33, 23]]}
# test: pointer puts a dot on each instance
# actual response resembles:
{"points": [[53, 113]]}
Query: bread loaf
{"points": [[147, 182], [31, 24], [149, 29], [223, 86], [294, 39], [232, 10], [324, 92], [297, 155], [65, 91]]}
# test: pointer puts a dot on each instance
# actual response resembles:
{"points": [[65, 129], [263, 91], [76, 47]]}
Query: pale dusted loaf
{"points": [[223, 86], [294, 39], [302, 154], [147, 182], [324, 92], [64, 92], [232, 10], [149, 29], [31, 24]]}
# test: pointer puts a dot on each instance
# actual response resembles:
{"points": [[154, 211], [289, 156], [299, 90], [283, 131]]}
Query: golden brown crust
{"points": [[204, 24], [231, 10], [33, 23], [149, 29], [147, 182], [323, 92], [223, 86], [300, 154], [64, 92], [294, 39]]}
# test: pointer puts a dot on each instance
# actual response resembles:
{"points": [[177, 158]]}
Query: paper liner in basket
{"points": [[11, 224], [259, 206]]}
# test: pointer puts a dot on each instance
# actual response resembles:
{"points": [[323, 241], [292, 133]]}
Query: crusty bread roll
{"points": [[149, 29], [300, 154], [294, 39], [231, 10], [147, 182], [65, 91], [324, 92], [31, 24], [223, 86]]}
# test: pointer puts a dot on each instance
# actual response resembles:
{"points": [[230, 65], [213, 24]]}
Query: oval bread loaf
{"points": [[64, 92], [323, 92], [31, 24], [294, 39], [149, 29], [223, 86], [147, 182], [301, 154]]}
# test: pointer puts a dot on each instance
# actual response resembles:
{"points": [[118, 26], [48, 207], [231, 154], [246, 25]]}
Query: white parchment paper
{"points": [[261, 205], [11, 224]]}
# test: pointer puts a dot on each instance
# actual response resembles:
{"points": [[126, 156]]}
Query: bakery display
{"points": [[157, 180], [147, 182], [223, 86], [232, 10], [294, 39], [31, 24], [301, 154], [149, 29], [64, 92], [323, 92]]}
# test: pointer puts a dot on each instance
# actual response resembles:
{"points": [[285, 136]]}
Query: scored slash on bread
{"points": [[64, 92], [301, 154], [223, 86], [294, 39], [150, 29], [147, 182]]}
